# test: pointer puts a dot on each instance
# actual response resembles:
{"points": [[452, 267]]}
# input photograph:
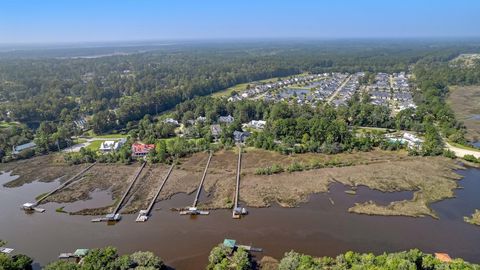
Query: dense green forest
{"points": [[48, 89], [48, 92], [412, 260], [225, 258]]}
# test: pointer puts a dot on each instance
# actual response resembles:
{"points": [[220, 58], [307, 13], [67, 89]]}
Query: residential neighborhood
{"points": [[392, 90]]}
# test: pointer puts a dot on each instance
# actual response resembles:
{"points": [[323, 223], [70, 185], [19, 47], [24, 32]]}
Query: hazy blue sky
{"points": [[108, 20]]}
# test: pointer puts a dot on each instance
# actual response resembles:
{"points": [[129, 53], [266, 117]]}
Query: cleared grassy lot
{"points": [[106, 136], [465, 102]]}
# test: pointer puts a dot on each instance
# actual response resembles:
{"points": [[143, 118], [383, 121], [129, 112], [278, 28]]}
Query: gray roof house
{"points": [[19, 148], [240, 136]]}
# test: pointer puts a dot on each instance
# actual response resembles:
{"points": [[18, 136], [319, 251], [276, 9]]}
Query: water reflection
{"points": [[318, 227]]}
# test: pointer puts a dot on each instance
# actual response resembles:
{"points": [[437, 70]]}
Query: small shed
{"points": [[230, 243], [81, 252]]}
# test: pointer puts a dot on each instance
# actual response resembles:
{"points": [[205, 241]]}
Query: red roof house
{"points": [[443, 257], [141, 150]]}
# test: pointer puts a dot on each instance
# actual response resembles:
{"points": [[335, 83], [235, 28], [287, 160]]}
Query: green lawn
{"points": [[241, 87], [364, 129], [79, 140], [106, 136], [94, 145]]}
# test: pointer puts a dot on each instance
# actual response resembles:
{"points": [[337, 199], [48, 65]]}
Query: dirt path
{"points": [[460, 152]]}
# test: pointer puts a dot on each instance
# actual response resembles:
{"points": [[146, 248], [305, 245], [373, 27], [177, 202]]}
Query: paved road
{"points": [[460, 152], [338, 89], [76, 147]]}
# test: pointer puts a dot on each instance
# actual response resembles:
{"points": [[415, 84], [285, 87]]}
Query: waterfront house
{"points": [[141, 150], [19, 148], [109, 146], [240, 136]]}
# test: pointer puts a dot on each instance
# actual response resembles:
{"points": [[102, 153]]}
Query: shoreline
{"points": [[377, 170]]}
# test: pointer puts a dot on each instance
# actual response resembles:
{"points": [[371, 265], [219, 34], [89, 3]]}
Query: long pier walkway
{"points": [[200, 186], [193, 210], [144, 214], [115, 216], [134, 179], [238, 211], [32, 206]]}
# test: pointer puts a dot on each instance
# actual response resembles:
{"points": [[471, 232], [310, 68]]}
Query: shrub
{"points": [[449, 154], [471, 158]]}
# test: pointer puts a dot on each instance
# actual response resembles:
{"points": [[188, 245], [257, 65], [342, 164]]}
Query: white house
{"points": [[109, 146], [171, 121], [412, 140], [258, 124]]}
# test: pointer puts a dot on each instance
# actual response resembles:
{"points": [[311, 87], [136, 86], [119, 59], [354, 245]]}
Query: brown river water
{"points": [[318, 228]]}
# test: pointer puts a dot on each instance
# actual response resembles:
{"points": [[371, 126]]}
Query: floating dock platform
{"points": [[108, 217], [5, 250], [193, 211]]}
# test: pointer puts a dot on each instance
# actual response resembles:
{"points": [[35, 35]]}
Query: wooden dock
{"points": [[193, 209], [6, 250], [32, 206], [237, 210], [144, 214], [115, 216]]}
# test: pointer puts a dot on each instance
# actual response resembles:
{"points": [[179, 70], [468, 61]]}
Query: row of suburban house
{"points": [[262, 88]]}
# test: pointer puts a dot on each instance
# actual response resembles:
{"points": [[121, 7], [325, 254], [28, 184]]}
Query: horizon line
{"points": [[247, 39]]}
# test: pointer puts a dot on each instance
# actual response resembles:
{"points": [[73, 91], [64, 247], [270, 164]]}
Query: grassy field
{"points": [[106, 136], [465, 101], [241, 87], [79, 140], [94, 145]]}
